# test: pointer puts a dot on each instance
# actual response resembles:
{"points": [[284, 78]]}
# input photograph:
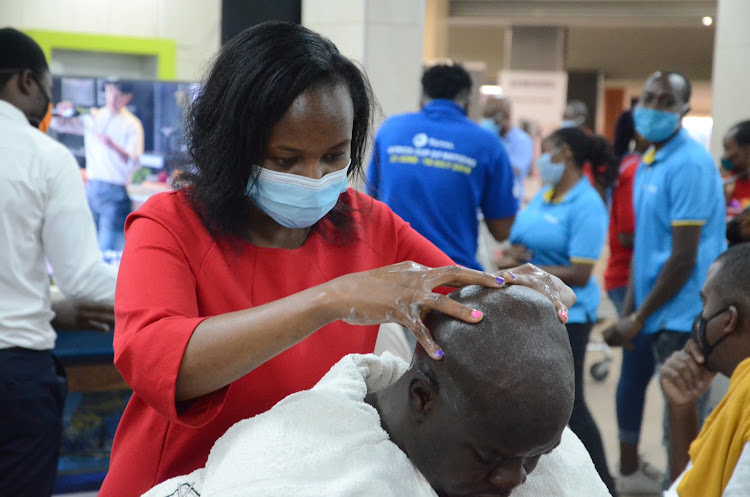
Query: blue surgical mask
{"points": [[550, 172], [569, 123], [490, 125], [727, 164], [296, 201], [655, 125]]}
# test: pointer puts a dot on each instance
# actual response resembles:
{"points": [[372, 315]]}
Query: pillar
{"points": [[730, 79], [385, 37]]}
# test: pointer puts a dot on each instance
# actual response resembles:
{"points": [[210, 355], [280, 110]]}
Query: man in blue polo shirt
{"points": [[679, 222], [436, 168]]}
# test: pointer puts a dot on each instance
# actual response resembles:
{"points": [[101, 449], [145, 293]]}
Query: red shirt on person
{"points": [[174, 274], [740, 198], [622, 220]]}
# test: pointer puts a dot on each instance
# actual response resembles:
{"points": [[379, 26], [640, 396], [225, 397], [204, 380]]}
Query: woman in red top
{"points": [[242, 287]]}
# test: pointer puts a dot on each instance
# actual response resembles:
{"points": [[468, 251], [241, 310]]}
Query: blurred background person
{"points": [[624, 130], [735, 165], [575, 115], [635, 476], [113, 138], [562, 230], [518, 144], [436, 168], [679, 225], [43, 216]]}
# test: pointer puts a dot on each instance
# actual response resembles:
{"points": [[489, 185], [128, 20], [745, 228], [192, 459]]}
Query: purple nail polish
{"points": [[512, 275], [439, 353], [500, 280], [476, 314]]}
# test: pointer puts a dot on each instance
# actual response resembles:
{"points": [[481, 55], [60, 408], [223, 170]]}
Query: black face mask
{"points": [[699, 335]]}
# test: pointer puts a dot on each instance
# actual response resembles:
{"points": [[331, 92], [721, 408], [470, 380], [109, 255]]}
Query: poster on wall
{"points": [[538, 98]]}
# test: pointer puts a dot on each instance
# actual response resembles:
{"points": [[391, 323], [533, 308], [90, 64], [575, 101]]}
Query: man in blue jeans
{"points": [[113, 139], [679, 224]]}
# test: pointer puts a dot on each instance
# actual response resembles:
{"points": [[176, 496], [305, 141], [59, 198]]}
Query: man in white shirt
{"points": [[717, 463], [477, 422], [43, 215], [113, 142]]}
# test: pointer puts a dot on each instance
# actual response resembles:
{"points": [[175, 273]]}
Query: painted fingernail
{"points": [[512, 275], [564, 313], [500, 280], [476, 314], [439, 353]]}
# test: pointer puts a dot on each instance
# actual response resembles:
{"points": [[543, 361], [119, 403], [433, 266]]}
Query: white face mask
{"points": [[296, 201]]}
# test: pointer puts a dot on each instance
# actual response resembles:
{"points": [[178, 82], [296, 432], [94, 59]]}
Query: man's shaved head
{"points": [[520, 331], [477, 421]]}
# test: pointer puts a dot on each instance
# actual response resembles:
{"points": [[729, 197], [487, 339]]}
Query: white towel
{"points": [[328, 442]]}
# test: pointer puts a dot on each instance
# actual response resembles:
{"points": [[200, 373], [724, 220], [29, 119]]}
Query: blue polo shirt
{"points": [[676, 186], [565, 231], [436, 169]]}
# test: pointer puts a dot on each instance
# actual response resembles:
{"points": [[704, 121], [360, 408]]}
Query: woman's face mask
{"points": [[296, 201], [550, 172]]}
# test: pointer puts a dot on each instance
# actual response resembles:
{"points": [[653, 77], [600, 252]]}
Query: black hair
{"points": [[19, 52], [592, 149], [491, 354], [446, 81], [741, 133], [685, 91], [733, 273], [123, 86], [256, 77]]}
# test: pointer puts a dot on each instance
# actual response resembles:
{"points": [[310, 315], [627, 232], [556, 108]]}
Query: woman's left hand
{"points": [[552, 287]]}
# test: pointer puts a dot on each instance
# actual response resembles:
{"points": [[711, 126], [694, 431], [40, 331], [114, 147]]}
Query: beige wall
{"points": [[194, 24], [622, 53], [633, 52], [478, 43]]}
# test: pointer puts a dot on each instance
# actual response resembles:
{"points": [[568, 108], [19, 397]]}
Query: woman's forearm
{"points": [[226, 347]]}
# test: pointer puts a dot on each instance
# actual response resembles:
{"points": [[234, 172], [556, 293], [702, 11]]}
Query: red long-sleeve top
{"points": [[174, 274]]}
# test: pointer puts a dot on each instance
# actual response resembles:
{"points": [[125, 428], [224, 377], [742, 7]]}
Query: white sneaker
{"points": [[646, 480]]}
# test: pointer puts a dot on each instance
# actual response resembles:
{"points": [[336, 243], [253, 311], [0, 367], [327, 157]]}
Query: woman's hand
{"points": [[401, 293], [552, 287]]}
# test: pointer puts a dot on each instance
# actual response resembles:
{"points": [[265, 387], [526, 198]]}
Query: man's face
{"points": [[499, 111], [738, 156], [477, 454], [115, 99], [712, 304], [664, 93]]}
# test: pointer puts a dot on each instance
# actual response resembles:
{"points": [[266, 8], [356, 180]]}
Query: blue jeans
{"points": [[110, 205], [638, 366]]}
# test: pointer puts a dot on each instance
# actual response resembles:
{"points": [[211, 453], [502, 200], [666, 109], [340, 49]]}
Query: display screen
{"points": [[161, 107]]}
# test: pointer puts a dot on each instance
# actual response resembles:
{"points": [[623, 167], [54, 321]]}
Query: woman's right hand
{"points": [[402, 293]]}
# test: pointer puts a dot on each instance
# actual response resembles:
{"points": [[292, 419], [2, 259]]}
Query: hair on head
{"points": [[734, 273], [253, 82], [447, 81], [592, 149], [741, 133], [19, 52], [519, 342]]}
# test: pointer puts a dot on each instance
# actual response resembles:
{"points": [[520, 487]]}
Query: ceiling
{"points": [[589, 13]]}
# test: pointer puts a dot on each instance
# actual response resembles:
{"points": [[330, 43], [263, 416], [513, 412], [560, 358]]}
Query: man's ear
{"points": [[685, 109], [729, 324], [26, 82], [423, 396]]}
